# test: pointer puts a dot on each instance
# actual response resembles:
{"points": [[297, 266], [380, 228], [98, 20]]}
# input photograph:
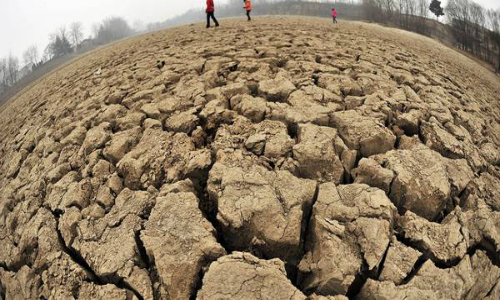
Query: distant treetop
{"points": [[436, 8]]}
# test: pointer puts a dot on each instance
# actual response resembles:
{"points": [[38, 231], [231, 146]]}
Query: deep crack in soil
{"points": [[77, 258]]}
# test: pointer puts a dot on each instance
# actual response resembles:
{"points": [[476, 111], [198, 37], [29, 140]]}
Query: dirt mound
{"points": [[285, 158]]}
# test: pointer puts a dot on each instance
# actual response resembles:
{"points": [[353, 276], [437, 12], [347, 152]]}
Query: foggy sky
{"points": [[27, 22]]}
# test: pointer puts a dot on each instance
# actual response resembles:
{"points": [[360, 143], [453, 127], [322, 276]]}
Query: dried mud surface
{"points": [[279, 159]]}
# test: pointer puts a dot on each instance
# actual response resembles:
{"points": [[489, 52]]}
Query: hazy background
{"points": [[27, 22]]}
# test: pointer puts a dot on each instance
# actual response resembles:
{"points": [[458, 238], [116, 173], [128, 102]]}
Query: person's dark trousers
{"points": [[248, 15], [334, 20], [211, 15]]}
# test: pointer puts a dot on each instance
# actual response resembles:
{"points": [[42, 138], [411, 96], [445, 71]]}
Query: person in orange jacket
{"points": [[248, 8], [210, 13]]}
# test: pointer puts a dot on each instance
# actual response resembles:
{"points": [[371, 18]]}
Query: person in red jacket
{"points": [[248, 8], [210, 13]]}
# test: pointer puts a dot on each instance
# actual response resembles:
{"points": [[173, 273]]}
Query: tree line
{"points": [[470, 26], [475, 29], [64, 41]]}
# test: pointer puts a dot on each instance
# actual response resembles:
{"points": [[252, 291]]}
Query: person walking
{"points": [[248, 8], [334, 15], [210, 13]]}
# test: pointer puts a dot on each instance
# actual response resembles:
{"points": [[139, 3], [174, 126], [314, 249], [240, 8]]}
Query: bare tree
{"points": [[489, 24], [47, 52], [479, 20], [95, 30], [492, 20], [30, 56], [76, 34], [495, 35], [59, 44], [12, 69], [409, 8], [458, 12], [389, 6], [62, 33], [400, 9], [374, 10], [113, 29], [423, 8], [139, 26], [3, 73]]}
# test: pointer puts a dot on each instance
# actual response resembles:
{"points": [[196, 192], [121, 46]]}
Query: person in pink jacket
{"points": [[334, 15]]}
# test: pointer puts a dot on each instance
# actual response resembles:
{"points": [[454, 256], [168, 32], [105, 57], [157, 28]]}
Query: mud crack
{"points": [[78, 259]]}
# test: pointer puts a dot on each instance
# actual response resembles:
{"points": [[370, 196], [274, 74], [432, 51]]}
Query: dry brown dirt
{"points": [[286, 158]]}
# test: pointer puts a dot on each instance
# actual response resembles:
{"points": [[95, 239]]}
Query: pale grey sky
{"points": [[27, 22]]}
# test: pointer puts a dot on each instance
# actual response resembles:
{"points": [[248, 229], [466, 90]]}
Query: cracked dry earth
{"points": [[279, 159]]}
